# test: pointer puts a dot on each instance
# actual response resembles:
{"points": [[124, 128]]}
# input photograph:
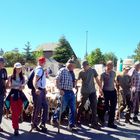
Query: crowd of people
{"points": [[110, 85]]}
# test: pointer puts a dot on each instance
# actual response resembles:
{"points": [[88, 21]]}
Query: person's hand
{"points": [[45, 91], [61, 92], [76, 87], [100, 92], [37, 92], [21, 87]]}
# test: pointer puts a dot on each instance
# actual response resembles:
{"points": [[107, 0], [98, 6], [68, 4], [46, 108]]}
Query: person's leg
{"points": [[65, 101], [16, 108], [135, 99], [62, 103], [37, 109], [113, 103], [128, 111], [81, 107], [1, 109], [93, 105], [72, 105], [121, 105], [45, 108]]}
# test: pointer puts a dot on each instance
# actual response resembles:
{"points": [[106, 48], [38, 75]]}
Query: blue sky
{"points": [[112, 25]]}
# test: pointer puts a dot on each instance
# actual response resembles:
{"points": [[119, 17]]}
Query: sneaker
{"points": [[135, 119], [1, 130], [43, 128], [112, 126], [72, 128], [128, 121], [95, 126], [78, 122], [102, 124], [54, 123], [34, 127], [16, 133]]}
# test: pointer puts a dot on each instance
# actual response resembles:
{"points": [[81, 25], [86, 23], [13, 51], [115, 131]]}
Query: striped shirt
{"points": [[65, 79]]}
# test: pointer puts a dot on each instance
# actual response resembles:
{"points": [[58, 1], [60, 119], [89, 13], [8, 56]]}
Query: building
{"points": [[47, 48]]}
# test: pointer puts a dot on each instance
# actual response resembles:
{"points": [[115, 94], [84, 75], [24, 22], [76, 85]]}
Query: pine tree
{"points": [[64, 51]]}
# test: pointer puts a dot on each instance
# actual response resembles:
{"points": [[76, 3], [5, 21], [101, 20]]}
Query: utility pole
{"points": [[86, 44]]}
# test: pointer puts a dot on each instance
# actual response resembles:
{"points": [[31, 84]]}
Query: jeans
{"points": [[68, 100]]}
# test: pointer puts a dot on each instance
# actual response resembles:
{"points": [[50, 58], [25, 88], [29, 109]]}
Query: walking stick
{"points": [[60, 112], [118, 93], [76, 100]]}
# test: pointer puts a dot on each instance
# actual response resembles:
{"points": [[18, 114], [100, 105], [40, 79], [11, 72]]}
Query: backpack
{"points": [[31, 77]]}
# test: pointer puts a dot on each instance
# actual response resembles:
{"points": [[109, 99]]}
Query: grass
{"points": [[9, 70]]}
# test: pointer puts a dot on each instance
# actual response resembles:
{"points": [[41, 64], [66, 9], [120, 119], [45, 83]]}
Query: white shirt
{"points": [[42, 81]]}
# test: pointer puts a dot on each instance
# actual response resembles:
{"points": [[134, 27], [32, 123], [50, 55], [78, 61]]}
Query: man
{"points": [[110, 95], [39, 97], [65, 82], [3, 78], [136, 91], [87, 75], [124, 87]]}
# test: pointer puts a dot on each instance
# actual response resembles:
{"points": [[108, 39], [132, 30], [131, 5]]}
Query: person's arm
{"points": [[22, 86], [77, 80], [99, 85], [115, 82], [36, 78], [118, 82], [9, 83], [58, 82]]}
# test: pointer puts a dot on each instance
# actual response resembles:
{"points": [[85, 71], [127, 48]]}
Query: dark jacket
{"points": [[16, 94]]}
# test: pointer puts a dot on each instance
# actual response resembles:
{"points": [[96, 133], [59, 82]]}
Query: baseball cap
{"points": [[42, 59], [85, 63], [2, 59], [137, 63], [17, 65], [127, 68]]}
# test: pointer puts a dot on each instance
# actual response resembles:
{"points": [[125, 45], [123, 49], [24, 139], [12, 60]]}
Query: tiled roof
{"points": [[47, 47]]}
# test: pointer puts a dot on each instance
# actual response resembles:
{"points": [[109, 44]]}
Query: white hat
{"points": [[17, 65]]}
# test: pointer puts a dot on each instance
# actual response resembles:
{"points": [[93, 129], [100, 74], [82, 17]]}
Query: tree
{"points": [[36, 55], [111, 56], [1, 52], [96, 57], [28, 54], [64, 51], [136, 56], [10, 60], [15, 50]]}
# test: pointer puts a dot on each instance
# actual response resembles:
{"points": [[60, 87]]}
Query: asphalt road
{"points": [[127, 132]]}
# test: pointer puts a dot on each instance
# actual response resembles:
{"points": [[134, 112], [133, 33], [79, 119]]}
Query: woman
{"points": [[16, 97]]}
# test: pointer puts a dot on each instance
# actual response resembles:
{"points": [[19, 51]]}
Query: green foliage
{"points": [[13, 57], [36, 55], [136, 56], [1, 52], [111, 56], [28, 54], [63, 52], [96, 57], [9, 70]]}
